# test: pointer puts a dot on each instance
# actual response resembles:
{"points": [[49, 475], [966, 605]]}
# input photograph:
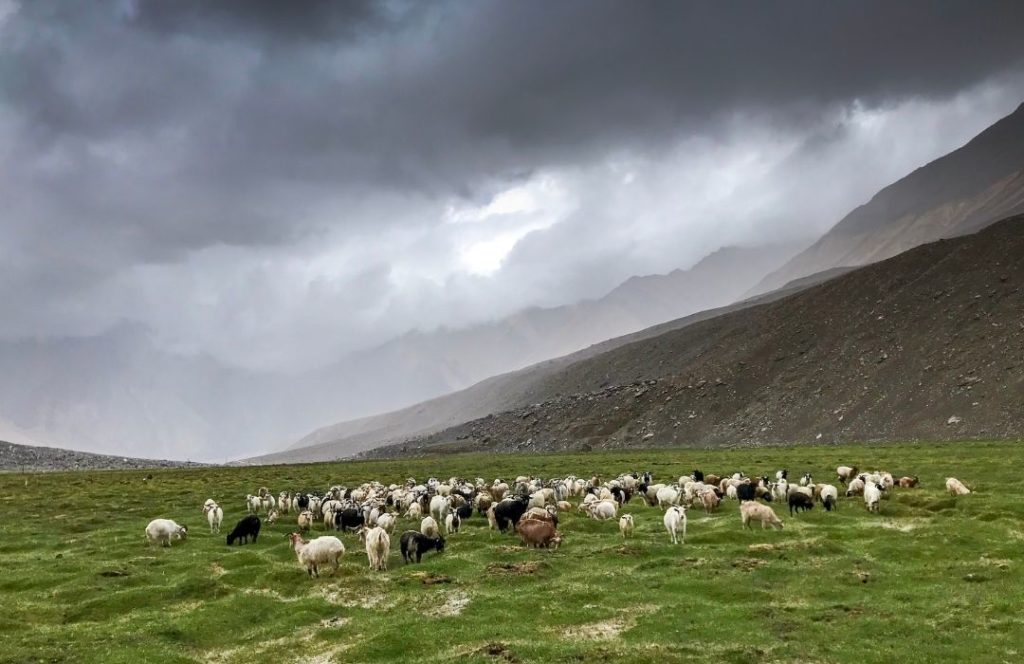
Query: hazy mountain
{"points": [[118, 393], [959, 193], [924, 346], [502, 392], [956, 194]]}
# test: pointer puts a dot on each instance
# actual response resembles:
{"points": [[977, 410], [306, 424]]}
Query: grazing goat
{"points": [[675, 522], [709, 499], [752, 511], [603, 510], [535, 533], [416, 544], [908, 482], [955, 487], [799, 501], [325, 550], [846, 473], [829, 496], [746, 492], [164, 530], [429, 527], [247, 526]]}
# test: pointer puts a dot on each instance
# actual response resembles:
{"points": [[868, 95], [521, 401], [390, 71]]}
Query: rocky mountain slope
{"points": [[510, 390], [956, 194], [928, 345], [31, 458]]}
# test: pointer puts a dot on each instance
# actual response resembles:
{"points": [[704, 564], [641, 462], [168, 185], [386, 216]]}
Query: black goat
{"points": [[349, 519], [799, 501], [247, 527], [509, 511], [414, 543]]}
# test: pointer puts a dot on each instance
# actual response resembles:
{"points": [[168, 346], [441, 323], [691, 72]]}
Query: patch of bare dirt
{"points": [[362, 598], [498, 651], [431, 578], [453, 605], [749, 564], [531, 567], [605, 630]]}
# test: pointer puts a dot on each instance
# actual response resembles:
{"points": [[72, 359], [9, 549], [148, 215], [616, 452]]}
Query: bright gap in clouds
{"points": [[484, 258], [510, 216]]}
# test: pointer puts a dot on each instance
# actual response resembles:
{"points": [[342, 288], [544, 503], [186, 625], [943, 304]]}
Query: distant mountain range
{"points": [[119, 393]]}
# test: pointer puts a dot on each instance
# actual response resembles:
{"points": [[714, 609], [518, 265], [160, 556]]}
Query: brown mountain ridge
{"points": [[957, 194], [928, 345]]}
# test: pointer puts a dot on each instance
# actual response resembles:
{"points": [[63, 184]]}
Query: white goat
{"points": [[214, 515], [428, 526], [164, 530], [829, 496], [626, 525], [326, 550], [667, 496], [956, 487], [675, 521], [378, 546], [754, 511], [602, 510], [439, 507], [872, 495]]}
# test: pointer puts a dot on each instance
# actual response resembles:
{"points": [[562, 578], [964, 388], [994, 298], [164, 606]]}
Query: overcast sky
{"points": [[278, 183]]}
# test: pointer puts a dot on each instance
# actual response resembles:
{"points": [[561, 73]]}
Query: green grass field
{"points": [[930, 577]]}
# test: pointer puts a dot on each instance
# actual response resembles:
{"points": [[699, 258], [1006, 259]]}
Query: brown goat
{"points": [[538, 533]]}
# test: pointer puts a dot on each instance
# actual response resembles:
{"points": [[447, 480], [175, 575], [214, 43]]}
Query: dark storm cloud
{"points": [[145, 132], [270, 19]]}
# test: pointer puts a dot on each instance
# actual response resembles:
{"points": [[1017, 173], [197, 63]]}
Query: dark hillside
{"points": [[927, 345]]}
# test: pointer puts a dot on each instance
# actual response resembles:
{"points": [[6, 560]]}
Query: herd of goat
{"points": [[528, 505]]}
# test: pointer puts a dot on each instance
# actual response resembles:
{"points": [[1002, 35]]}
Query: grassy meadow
{"points": [[930, 577]]}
